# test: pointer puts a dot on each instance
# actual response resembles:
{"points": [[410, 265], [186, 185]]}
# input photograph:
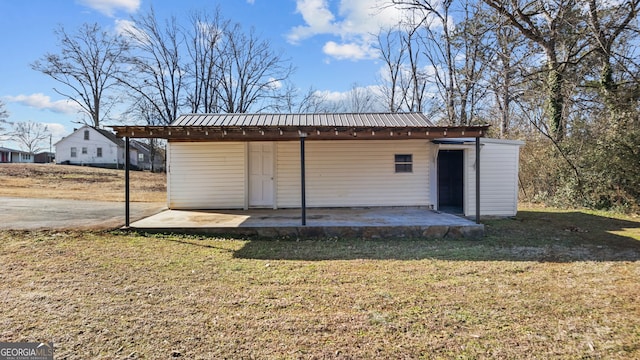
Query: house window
{"points": [[99, 152], [86, 134], [26, 156], [404, 163], [141, 157], [74, 152], [84, 151]]}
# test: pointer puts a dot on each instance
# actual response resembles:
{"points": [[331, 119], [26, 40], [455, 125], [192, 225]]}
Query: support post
{"points": [[126, 182], [477, 180], [303, 195]]}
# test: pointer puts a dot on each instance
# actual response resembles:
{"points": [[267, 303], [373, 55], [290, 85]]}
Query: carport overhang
{"points": [[247, 133], [289, 133]]}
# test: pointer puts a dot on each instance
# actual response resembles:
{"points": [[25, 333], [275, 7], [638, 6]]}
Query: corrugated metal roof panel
{"points": [[324, 120]]}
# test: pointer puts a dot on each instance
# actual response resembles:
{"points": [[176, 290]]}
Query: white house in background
{"points": [[94, 147], [144, 156], [15, 156], [241, 161]]}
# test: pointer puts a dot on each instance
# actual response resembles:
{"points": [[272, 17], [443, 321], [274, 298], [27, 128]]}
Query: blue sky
{"points": [[328, 41]]}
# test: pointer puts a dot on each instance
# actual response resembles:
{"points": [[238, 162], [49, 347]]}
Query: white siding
{"points": [[353, 173], [110, 152], [499, 164], [205, 175]]}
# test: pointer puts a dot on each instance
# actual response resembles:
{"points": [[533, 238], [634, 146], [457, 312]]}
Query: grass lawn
{"points": [[549, 284]]}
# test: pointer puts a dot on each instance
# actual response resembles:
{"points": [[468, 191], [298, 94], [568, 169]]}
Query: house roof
{"points": [[286, 127], [109, 135], [106, 133], [305, 120], [4, 149]]}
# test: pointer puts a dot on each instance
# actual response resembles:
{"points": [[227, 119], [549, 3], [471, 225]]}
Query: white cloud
{"points": [[275, 84], [124, 26], [57, 131], [352, 51], [353, 22], [43, 102], [251, 2], [317, 17], [109, 7]]}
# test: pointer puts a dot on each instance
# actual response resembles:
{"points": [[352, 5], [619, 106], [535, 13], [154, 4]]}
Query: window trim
{"points": [[74, 151], [99, 152], [403, 163], [86, 134]]}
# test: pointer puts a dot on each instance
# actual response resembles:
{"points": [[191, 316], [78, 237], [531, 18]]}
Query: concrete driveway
{"points": [[59, 214]]}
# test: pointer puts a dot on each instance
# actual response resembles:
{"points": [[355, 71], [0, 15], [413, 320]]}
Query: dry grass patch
{"points": [[558, 294], [78, 183]]}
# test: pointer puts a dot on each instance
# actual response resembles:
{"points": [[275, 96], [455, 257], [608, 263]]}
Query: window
{"points": [[86, 134], [26, 156], [74, 152], [404, 163], [99, 152], [141, 157], [84, 151]]}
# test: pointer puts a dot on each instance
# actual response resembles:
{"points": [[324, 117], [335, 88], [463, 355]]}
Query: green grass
{"points": [[547, 284]]}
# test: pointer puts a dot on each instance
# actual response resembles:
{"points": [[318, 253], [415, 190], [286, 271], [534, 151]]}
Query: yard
{"points": [[547, 284], [78, 183]]}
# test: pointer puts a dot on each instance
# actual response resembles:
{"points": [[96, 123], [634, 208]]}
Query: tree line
{"points": [[562, 74]]}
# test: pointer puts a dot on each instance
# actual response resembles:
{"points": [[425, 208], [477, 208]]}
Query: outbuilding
{"points": [[279, 161]]}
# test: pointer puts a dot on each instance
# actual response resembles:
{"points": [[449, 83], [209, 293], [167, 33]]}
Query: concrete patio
{"points": [[365, 223]]}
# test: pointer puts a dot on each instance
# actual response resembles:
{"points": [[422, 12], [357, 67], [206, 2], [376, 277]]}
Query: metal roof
{"points": [[374, 120]]}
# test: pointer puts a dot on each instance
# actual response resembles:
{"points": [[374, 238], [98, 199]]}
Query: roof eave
{"points": [[286, 133]]}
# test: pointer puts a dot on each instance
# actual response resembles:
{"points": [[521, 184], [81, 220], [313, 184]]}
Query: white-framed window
{"points": [[140, 157], [86, 134], [99, 152], [74, 152], [26, 156], [404, 163], [84, 151]]}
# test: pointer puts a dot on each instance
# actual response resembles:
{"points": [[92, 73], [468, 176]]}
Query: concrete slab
{"points": [[368, 223]]}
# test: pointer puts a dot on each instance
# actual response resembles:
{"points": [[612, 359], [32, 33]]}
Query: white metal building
{"points": [[242, 161]]}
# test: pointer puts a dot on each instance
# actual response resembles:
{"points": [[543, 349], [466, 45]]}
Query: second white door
{"points": [[261, 174]]}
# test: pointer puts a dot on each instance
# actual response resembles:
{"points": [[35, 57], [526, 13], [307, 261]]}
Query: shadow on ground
{"points": [[531, 236]]}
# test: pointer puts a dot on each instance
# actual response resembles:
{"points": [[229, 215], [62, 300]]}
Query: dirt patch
{"points": [[79, 183]]}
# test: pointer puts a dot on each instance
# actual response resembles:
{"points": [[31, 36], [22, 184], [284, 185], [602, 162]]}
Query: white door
{"points": [[261, 174]]}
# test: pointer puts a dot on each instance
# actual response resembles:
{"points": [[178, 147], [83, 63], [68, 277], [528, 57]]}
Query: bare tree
{"points": [[4, 116], [156, 63], [550, 25], [360, 100], [443, 58], [250, 72], [144, 110], [88, 66], [507, 67], [203, 44], [608, 22], [469, 39], [392, 50], [414, 85], [30, 135]]}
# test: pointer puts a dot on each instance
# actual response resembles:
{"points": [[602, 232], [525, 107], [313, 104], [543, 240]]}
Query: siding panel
{"points": [[498, 180], [206, 175], [353, 173]]}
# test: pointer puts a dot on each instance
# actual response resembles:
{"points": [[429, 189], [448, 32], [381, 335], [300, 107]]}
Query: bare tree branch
{"points": [[88, 66], [30, 135]]}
